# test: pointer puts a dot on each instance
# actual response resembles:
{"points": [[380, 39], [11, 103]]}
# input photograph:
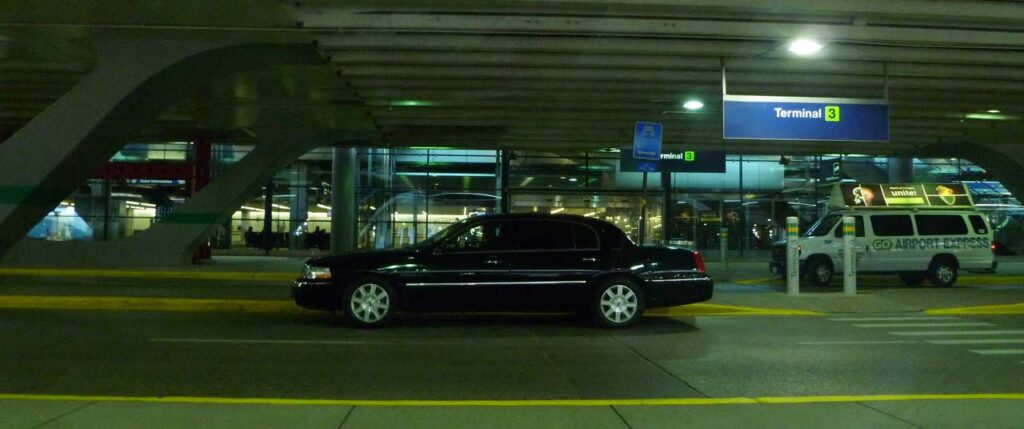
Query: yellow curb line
{"points": [[284, 306], [962, 281], [517, 403], [983, 309], [219, 275]]}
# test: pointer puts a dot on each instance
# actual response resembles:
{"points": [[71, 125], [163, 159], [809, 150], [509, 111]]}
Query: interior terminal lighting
{"points": [[693, 105], [558, 210], [993, 111], [804, 46]]}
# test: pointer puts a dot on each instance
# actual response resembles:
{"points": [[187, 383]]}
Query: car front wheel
{"points": [[618, 303], [369, 302]]}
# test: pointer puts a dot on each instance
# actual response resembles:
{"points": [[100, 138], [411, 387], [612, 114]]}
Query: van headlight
{"points": [[312, 272]]}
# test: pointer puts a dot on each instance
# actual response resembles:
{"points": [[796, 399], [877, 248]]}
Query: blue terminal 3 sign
{"points": [[753, 117], [684, 161]]}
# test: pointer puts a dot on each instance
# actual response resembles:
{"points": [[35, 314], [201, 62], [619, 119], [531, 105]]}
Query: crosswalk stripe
{"points": [[920, 325], [981, 341], [951, 333], [883, 319], [839, 343], [1000, 352]]}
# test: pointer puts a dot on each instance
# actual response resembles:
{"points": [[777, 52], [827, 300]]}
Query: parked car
{"points": [[511, 261]]}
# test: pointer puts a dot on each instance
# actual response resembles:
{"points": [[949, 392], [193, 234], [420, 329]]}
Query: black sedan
{"points": [[503, 262]]}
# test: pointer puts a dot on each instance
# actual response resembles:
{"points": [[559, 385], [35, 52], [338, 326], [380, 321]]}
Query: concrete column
{"points": [[344, 170], [299, 205], [901, 170], [134, 80], [504, 172]]}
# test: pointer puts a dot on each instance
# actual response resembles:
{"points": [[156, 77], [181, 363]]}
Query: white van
{"points": [[927, 241]]}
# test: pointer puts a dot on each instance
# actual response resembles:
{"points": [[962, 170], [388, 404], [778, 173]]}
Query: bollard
{"points": [[849, 257], [792, 256], [723, 244]]}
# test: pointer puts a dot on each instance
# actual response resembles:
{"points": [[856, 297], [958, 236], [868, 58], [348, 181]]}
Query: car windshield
{"points": [[822, 226]]}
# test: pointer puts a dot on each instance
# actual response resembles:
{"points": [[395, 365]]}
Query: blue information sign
{"points": [[647, 140], [800, 118]]}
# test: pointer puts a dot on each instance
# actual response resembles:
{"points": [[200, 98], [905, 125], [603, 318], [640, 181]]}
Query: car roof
{"points": [[540, 216]]}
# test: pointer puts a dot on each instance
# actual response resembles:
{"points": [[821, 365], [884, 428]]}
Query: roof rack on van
{"points": [[865, 196]]}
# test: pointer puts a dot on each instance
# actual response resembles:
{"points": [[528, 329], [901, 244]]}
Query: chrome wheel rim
{"points": [[618, 303], [370, 303], [944, 273]]}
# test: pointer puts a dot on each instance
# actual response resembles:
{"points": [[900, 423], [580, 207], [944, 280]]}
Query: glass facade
{"points": [[405, 195]]}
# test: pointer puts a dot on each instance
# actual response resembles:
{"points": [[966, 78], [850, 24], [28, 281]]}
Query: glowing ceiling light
{"points": [[805, 46], [693, 105]]}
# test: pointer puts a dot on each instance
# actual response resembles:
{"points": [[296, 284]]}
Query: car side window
{"points": [[586, 237], [487, 236], [542, 235]]}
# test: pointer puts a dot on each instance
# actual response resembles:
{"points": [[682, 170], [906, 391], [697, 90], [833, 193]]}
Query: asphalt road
{"points": [[460, 358]]}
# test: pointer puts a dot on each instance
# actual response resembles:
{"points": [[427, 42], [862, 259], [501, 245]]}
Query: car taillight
{"points": [[698, 261], [993, 247]]}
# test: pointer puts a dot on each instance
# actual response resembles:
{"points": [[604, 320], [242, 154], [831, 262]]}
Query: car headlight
{"points": [[316, 273]]}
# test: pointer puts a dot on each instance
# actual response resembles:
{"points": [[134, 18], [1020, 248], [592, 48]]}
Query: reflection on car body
{"points": [[512, 261]]}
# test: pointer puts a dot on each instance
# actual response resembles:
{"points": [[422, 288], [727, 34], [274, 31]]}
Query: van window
{"points": [[858, 223], [978, 224], [891, 225], [940, 224]]}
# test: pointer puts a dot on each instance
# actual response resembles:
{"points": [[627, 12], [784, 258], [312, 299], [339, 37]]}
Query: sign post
{"points": [[849, 257], [646, 147], [792, 256]]}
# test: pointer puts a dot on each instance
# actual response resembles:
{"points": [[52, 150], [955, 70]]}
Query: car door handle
{"points": [[493, 262], [589, 259]]}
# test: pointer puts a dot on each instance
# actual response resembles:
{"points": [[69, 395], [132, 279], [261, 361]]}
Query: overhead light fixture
{"points": [[804, 46], [558, 210], [693, 105], [993, 111], [991, 117]]}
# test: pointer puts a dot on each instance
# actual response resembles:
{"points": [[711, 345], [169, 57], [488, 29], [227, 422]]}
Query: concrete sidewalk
{"points": [[834, 412]]}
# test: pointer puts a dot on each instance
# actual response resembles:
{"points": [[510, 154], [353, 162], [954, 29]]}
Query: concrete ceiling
{"points": [[545, 74]]}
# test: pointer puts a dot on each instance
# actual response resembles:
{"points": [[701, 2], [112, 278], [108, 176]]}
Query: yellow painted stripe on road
{"points": [[774, 400], [984, 309], [194, 275], [283, 306], [147, 304], [726, 310], [962, 281]]}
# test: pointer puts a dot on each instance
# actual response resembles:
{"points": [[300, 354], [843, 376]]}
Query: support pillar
{"points": [[504, 171], [268, 218], [344, 171], [298, 206], [667, 202]]}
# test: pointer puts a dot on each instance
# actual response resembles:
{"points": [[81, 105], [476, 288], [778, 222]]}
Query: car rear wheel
{"points": [[618, 303], [943, 272], [912, 279], [369, 302]]}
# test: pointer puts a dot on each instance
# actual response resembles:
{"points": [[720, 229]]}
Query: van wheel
{"points": [[943, 272], [820, 272], [912, 279]]}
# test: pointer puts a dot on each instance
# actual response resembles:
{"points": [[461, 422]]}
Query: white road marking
{"points": [[837, 343], [250, 341], [883, 319], [951, 333], [1000, 352], [920, 325], [981, 341]]}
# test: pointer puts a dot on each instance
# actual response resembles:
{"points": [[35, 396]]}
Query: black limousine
{"points": [[509, 261]]}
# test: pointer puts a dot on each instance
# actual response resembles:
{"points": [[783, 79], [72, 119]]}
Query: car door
{"points": [[459, 272], [551, 261]]}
